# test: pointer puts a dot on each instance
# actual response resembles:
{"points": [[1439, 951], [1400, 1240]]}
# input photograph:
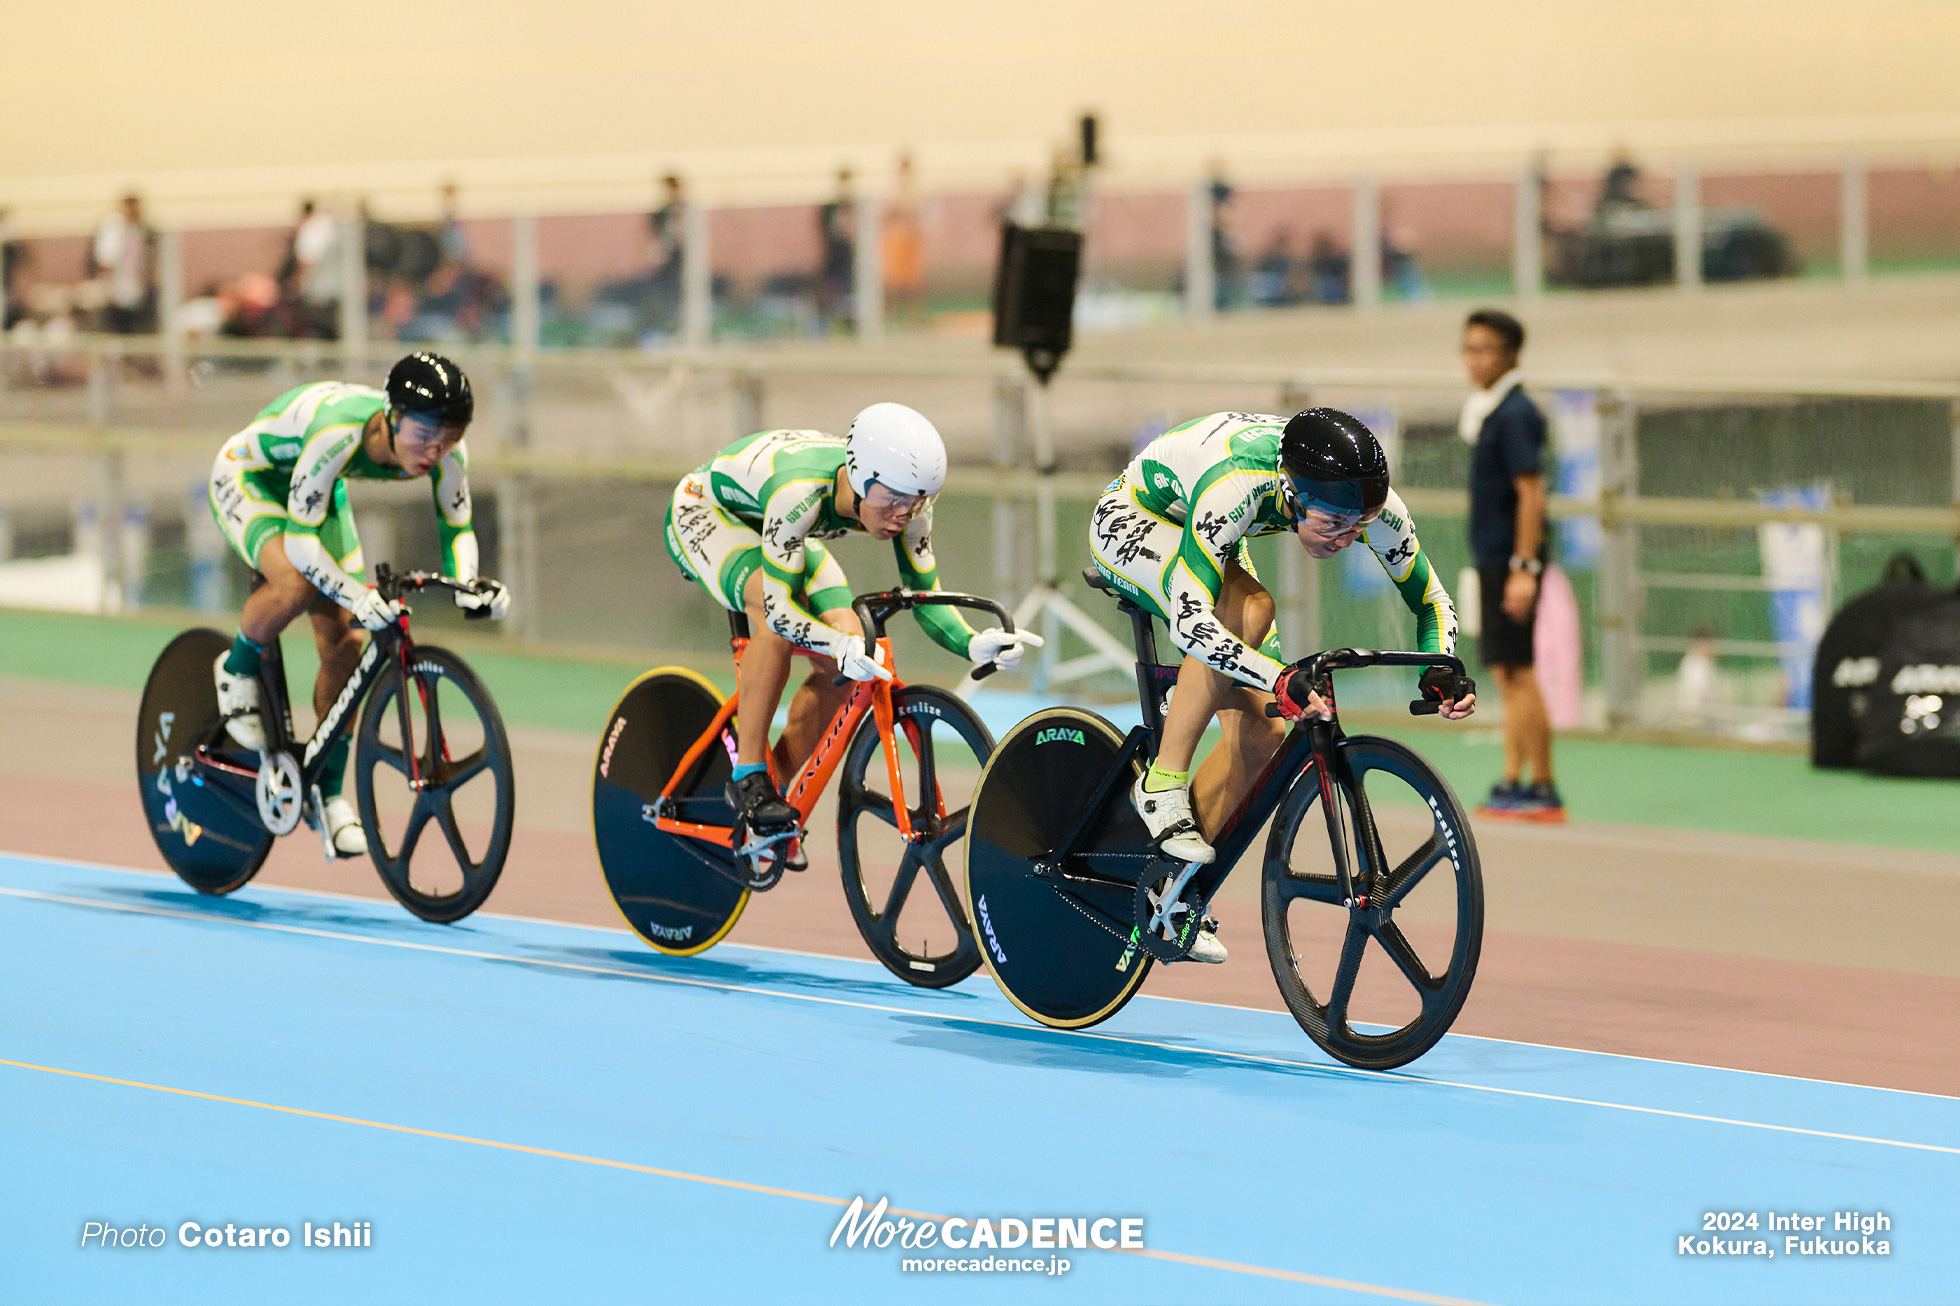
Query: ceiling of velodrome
{"points": [[223, 110]]}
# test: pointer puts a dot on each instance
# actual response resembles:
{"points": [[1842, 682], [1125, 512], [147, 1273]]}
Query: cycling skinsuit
{"points": [[286, 474], [764, 503], [1165, 529]]}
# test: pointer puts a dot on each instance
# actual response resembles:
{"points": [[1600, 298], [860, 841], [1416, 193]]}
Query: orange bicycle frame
{"points": [[873, 696]]}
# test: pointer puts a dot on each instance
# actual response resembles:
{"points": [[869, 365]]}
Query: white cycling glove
{"points": [[489, 594], [373, 611], [1000, 647], [858, 664]]}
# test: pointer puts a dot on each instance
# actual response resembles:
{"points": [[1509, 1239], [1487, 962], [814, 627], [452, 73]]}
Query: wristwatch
{"points": [[1530, 566]]}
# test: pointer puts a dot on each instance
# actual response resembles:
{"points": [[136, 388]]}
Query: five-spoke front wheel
{"points": [[901, 894], [432, 752], [1376, 967]]}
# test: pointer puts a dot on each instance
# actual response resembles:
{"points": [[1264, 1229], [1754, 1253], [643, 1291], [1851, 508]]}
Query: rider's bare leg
{"points": [[271, 607], [339, 644], [815, 703], [1249, 737], [760, 679]]}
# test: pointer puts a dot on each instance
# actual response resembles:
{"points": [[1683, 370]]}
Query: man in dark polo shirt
{"points": [[1508, 541]]}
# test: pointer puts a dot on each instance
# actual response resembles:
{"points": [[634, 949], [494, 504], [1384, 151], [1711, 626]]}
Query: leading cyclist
{"points": [[1171, 532], [279, 492], [747, 528]]}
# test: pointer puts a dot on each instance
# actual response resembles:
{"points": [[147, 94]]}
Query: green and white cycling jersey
{"points": [[1184, 507], [286, 474], [766, 500]]}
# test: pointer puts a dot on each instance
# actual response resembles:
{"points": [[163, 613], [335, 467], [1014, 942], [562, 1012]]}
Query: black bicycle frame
{"points": [[392, 645], [1308, 749]]}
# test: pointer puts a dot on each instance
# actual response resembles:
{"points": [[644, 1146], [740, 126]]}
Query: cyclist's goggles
{"points": [[1354, 502], [902, 506], [425, 430]]}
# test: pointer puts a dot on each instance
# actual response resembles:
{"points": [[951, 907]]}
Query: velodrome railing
{"points": [[1674, 503]]}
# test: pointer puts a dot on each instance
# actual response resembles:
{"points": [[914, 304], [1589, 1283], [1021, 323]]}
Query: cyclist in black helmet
{"points": [[1171, 533], [282, 482]]}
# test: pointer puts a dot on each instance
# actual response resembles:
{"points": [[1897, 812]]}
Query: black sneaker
{"points": [[1541, 803], [762, 809]]}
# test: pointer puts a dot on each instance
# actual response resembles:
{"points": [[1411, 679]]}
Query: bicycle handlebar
{"points": [[873, 610], [1321, 666], [394, 584]]}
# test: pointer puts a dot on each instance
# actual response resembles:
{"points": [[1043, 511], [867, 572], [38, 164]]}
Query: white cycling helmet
{"points": [[896, 446]]}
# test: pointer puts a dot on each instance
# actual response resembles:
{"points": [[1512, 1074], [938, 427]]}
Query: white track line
{"points": [[867, 961], [723, 986]]}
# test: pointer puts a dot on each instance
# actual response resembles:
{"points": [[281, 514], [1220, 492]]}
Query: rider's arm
{"points": [[789, 511], [919, 571], [1393, 538], [309, 500], [451, 485], [1224, 507]]}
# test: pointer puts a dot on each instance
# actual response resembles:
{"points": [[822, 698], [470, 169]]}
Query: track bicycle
{"points": [[1074, 904], [665, 830], [214, 807]]}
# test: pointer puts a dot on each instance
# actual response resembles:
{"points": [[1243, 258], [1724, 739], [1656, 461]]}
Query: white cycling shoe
{"points": [[1167, 815], [344, 828], [238, 703], [1206, 946]]}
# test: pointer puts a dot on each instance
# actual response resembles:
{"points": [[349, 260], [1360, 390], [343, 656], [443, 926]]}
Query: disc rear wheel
{"points": [[678, 894], [1057, 939], [204, 820]]}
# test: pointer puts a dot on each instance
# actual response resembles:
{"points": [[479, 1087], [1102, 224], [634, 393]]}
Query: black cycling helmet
{"points": [[1329, 460], [430, 385]]}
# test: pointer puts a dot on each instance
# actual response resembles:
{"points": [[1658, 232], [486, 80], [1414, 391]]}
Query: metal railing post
{"points": [[868, 269], [1527, 236], [1854, 217], [697, 279], [170, 304], [353, 293], [1622, 660], [1200, 283], [1365, 266], [1687, 227]]}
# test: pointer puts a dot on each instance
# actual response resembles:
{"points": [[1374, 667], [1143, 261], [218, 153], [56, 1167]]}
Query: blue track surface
{"points": [[569, 1067]]}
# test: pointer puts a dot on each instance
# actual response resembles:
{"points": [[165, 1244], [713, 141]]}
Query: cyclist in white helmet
{"points": [[747, 528]]}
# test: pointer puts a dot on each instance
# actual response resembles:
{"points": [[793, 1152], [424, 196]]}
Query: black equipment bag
{"points": [[1912, 706]]}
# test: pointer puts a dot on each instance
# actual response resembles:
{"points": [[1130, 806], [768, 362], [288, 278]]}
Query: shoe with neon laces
{"points": [[1167, 815]]}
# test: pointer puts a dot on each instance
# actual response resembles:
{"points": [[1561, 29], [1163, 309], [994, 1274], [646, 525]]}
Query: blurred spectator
{"points": [[669, 225], [1328, 265], [1399, 271], [1508, 542], [13, 259], [123, 257], [1619, 188], [1224, 254], [455, 241], [1273, 275], [903, 250], [309, 279], [836, 273]]}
